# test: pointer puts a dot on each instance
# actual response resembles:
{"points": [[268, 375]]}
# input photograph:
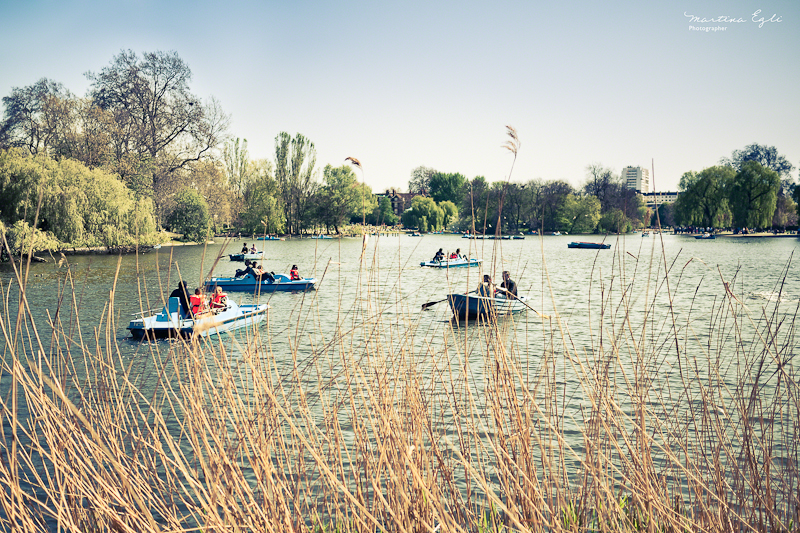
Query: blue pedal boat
{"points": [[471, 306], [170, 322], [452, 263], [249, 283], [590, 245]]}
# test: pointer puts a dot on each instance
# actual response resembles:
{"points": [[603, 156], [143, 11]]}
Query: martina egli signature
{"points": [[756, 17]]}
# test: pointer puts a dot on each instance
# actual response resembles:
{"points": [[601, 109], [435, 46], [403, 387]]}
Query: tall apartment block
{"points": [[637, 178]]}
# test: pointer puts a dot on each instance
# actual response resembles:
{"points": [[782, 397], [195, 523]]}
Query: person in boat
{"points": [[438, 256], [198, 302], [261, 273], [182, 294], [253, 249], [244, 248], [294, 274], [219, 300], [453, 256], [509, 286], [486, 287]]}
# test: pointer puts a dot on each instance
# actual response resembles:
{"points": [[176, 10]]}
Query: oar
{"points": [[429, 304], [523, 302]]}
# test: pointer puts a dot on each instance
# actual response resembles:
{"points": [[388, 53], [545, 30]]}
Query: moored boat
{"points": [[706, 236], [171, 323], [452, 263], [270, 238], [471, 306], [249, 283], [591, 245]]}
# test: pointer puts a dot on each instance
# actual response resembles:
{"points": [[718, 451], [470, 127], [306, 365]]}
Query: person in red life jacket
{"points": [[198, 302], [294, 274], [454, 255], [219, 300]]}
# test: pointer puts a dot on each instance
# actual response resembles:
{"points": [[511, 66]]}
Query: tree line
{"points": [[140, 152]]}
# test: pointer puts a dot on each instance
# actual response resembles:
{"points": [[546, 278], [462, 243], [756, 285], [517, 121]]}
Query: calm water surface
{"points": [[588, 294]]}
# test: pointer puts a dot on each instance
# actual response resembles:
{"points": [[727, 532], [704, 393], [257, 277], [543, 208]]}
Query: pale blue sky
{"points": [[399, 85]]}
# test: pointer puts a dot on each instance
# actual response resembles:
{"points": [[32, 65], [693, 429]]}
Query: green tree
{"points": [[614, 221], [339, 197], [294, 174], [768, 157], [80, 206], [753, 195], [424, 214], [450, 212], [447, 187], [785, 213], [382, 214], [703, 200], [578, 214], [190, 215], [36, 116], [262, 209]]}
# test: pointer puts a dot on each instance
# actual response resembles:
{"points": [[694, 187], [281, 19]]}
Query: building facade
{"points": [[655, 199], [400, 200], [637, 178]]}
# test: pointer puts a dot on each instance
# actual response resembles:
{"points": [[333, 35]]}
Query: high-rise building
{"points": [[637, 178]]}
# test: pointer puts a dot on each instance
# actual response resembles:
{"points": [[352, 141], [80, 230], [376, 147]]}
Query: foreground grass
{"points": [[646, 422]]}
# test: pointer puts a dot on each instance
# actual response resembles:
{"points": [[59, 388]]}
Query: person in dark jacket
{"points": [[181, 293], [509, 285]]}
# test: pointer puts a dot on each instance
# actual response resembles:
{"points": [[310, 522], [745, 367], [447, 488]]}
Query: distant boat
{"points": [[452, 263], [591, 245], [645, 234], [705, 236], [556, 233], [415, 234], [170, 323], [321, 237], [243, 256], [271, 238], [471, 306]]}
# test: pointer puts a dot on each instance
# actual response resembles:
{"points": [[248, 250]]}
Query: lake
{"points": [[620, 340]]}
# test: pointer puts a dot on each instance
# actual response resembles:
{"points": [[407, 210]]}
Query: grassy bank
{"points": [[674, 422]]}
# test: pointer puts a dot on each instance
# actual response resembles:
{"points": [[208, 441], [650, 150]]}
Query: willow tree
{"points": [[753, 195], [79, 206]]}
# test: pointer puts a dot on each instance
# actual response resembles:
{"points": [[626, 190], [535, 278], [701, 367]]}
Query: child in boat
{"points": [[486, 288], [219, 300], [294, 274], [198, 302]]}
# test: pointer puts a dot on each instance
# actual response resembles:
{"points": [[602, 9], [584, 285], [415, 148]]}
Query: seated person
{"points": [[219, 300], [458, 254], [199, 307], [294, 274], [485, 288], [253, 249], [438, 256], [182, 294], [509, 285], [244, 248], [454, 255], [260, 272]]}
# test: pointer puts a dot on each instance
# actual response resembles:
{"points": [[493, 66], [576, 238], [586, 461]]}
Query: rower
{"points": [[508, 285]]}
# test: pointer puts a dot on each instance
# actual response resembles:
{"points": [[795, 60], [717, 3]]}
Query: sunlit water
{"points": [[382, 283]]}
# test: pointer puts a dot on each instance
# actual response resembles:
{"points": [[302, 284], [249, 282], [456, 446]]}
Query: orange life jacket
{"points": [[198, 303], [218, 300], [294, 274]]}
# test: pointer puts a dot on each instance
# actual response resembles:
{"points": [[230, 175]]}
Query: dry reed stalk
{"points": [[378, 424]]}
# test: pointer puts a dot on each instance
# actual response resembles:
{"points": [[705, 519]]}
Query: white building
{"points": [[637, 178], [655, 199]]}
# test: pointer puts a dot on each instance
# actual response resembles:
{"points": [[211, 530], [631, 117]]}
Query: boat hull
{"points": [[169, 322], [242, 257], [589, 245], [250, 283], [471, 306], [451, 264]]}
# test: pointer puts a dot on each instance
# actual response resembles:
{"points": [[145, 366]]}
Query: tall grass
{"points": [[669, 421]]}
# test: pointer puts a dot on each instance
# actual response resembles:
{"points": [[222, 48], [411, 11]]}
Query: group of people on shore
{"points": [[197, 305]]}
